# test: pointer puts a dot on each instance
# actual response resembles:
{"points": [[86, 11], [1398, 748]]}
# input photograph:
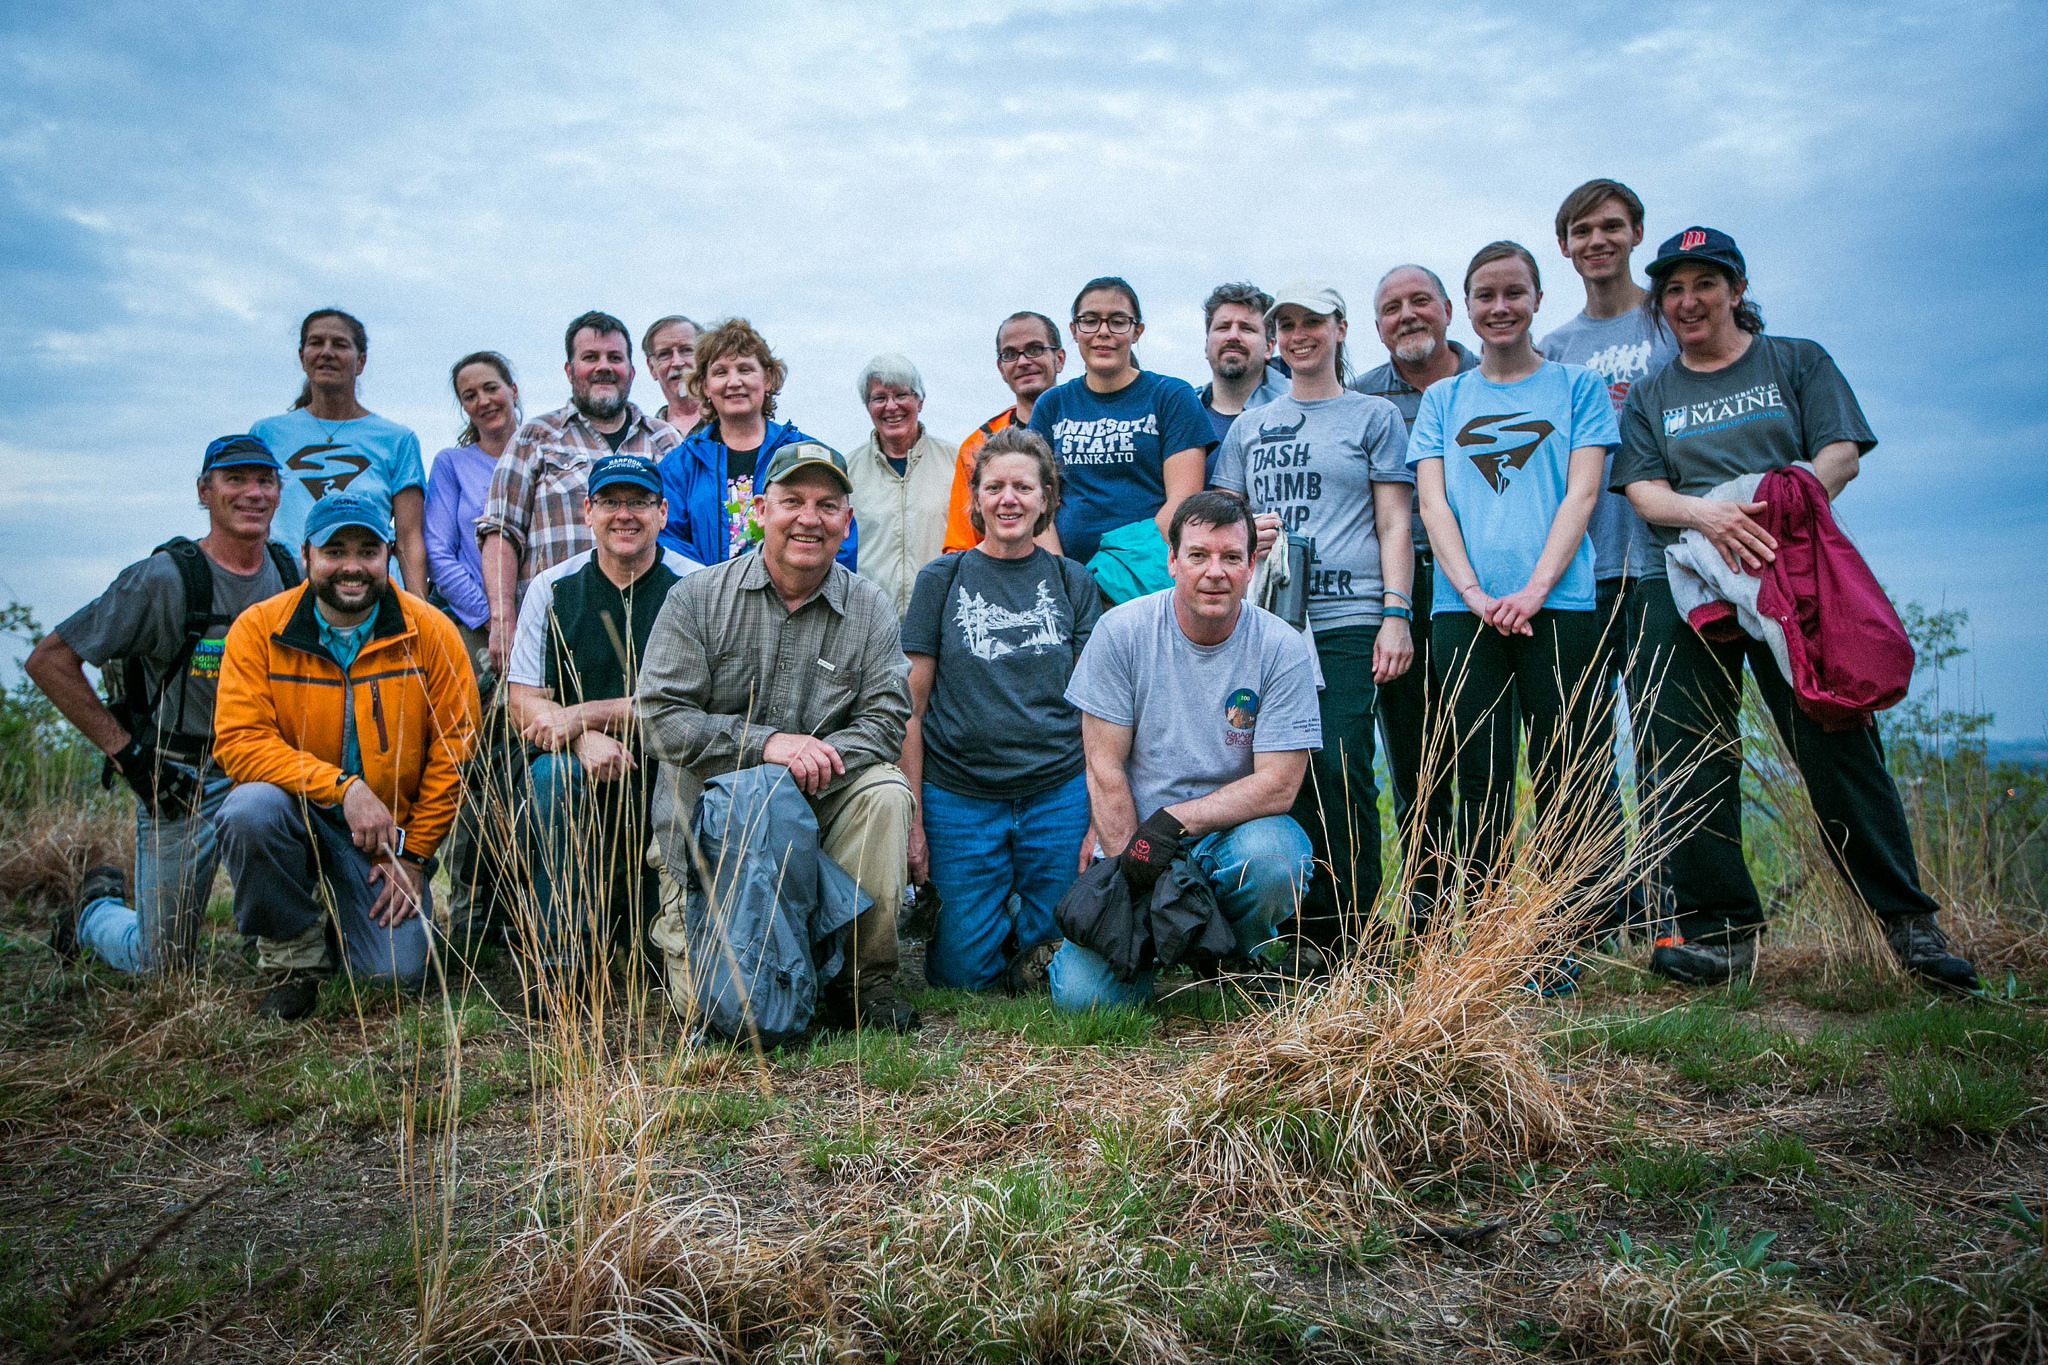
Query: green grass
{"points": [[1646, 1170], [1309, 1250], [1939, 1093], [1033, 1019], [723, 1111]]}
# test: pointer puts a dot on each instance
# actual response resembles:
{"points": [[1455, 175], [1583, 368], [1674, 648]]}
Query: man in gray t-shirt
{"points": [[1623, 350], [1198, 715], [160, 742]]}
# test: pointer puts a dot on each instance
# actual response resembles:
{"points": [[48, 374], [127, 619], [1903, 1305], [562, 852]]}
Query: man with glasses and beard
{"points": [[1412, 311], [344, 709], [572, 699], [533, 518], [1029, 358]]}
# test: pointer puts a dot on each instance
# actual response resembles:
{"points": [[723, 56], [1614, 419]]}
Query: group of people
{"points": [[988, 664]]}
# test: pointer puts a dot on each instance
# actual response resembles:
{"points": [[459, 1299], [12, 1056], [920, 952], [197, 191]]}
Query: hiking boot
{"points": [[1701, 964], [884, 1009], [920, 917], [1922, 949], [1026, 974], [1277, 968], [293, 997], [102, 882]]}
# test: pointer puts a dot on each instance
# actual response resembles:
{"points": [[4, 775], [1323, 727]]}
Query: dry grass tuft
{"points": [[1692, 1314], [671, 1278], [45, 850]]}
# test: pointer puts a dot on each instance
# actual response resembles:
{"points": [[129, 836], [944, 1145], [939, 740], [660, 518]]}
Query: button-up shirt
{"points": [[536, 497], [1385, 381], [902, 516], [729, 664]]}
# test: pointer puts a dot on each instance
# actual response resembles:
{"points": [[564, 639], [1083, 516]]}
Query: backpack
{"points": [[132, 695]]}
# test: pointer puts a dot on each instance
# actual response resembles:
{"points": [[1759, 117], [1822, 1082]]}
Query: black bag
{"points": [[1180, 921]]}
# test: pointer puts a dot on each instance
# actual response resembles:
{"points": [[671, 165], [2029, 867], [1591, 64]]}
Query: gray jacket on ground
{"points": [[764, 918]]}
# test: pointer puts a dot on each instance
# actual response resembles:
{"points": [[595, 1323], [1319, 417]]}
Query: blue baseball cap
{"points": [[223, 452], [637, 470], [1710, 245], [337, 510]]}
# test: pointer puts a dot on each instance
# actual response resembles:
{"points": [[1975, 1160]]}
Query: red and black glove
{"points": [[1152, 849]]}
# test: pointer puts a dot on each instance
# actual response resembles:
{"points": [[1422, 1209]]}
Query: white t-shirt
{"points": [[528, 664]]}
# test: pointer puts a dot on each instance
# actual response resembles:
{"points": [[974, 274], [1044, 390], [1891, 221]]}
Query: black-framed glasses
{"points": [[1117, 323], [604, 504], [1010, 355]]}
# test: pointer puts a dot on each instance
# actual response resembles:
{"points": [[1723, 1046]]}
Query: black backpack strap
{"points": [[287, 565], [196, 574]]}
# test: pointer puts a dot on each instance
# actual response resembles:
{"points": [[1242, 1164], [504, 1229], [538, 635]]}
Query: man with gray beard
{"points": [[1412, 311]]}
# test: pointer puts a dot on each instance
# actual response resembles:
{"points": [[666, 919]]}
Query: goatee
{"points": [[1415, 350]]}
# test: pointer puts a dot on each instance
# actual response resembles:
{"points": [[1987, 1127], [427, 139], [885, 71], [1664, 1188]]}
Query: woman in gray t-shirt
{"points": [[993, 749]]}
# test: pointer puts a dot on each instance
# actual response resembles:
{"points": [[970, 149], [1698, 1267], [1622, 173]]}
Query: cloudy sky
{"points": [[178, 186]]}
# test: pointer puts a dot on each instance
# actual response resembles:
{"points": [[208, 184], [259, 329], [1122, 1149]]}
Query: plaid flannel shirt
{"points": [[536, 497]]}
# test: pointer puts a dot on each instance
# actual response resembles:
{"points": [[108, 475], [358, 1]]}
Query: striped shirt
{"points": [[536, 497]]}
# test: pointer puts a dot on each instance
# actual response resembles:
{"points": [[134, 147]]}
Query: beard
{"points": [[329, 590], [600, 409], [1233, 365], [1416, 349]]}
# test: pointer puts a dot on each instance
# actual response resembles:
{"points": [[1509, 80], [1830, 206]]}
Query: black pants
{"points": [[1615, 606], [1408, 715], [1698, 696], [1339, 802], [1541, 680]]}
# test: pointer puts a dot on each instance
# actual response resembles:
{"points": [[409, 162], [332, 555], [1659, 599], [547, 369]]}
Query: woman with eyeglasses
{"points": [[1131, 443]]}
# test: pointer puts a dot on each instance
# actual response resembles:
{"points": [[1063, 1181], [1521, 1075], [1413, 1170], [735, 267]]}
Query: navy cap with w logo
{"points": [[1711, 245]]}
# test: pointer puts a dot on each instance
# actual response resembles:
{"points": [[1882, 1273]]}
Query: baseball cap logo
{"points": [[1693, 240]]}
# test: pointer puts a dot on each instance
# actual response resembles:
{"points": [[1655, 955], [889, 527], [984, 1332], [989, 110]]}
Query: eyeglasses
{"points": [[1010, 355], [1117, 323], [624, 504]]}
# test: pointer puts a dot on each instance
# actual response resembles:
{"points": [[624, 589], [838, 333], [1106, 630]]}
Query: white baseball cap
{"points": [[1315, 295]]}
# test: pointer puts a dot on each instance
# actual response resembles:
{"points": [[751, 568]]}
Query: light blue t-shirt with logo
{"points": [[1624, 351], [1112, 449], [1199, 712], [371, 455], [1507, 451]]}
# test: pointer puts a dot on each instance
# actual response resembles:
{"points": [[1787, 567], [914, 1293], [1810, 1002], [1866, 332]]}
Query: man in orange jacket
{"points": [[344, 709]]}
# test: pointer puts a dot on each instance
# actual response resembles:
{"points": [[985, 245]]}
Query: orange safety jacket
{"points": [[960, 532], [283, 703]]}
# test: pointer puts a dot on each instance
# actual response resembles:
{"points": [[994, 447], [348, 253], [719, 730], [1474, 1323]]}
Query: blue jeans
{"points": [[174, 866], [588, 849], [280, 851], [1259, 869], [981, 852]]}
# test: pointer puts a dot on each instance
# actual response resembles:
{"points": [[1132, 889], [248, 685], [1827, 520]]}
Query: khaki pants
{"points": [[863, 826]]}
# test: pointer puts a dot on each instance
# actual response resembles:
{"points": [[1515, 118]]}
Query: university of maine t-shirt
{"points": [[1006, 634], [1199, 712], [370, 455], [1780, 403], [1315, 464], [1507, 452], [1112, 449], [1624, 351]]}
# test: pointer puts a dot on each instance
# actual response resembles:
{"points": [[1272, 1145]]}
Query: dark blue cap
{"points": [[637, 470], [225, 451], [337, 510], [1711, 245]]}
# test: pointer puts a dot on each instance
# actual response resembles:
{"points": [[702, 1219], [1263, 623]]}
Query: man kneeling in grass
{"points": [[1198, 709], [345, 707]]}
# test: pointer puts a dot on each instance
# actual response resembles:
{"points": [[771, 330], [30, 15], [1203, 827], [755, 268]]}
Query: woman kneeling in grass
{"points": [[993, 748]]}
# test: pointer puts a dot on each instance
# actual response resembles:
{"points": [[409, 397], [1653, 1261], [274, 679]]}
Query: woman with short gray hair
{"points": [[902, 479]]}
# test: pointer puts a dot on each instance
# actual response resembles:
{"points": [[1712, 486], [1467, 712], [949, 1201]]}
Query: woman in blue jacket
{"points": [[709, 479]]}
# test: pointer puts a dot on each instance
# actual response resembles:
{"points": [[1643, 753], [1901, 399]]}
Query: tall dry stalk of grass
{"points": [[1425, 1065], [1689, 1313]]}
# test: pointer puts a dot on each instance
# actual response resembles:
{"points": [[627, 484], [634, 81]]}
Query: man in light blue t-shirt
{"points": [[1198, 716], [330, 443]]}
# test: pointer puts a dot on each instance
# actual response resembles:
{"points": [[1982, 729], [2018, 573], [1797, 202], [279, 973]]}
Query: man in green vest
{"points": [[574, 665]]}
